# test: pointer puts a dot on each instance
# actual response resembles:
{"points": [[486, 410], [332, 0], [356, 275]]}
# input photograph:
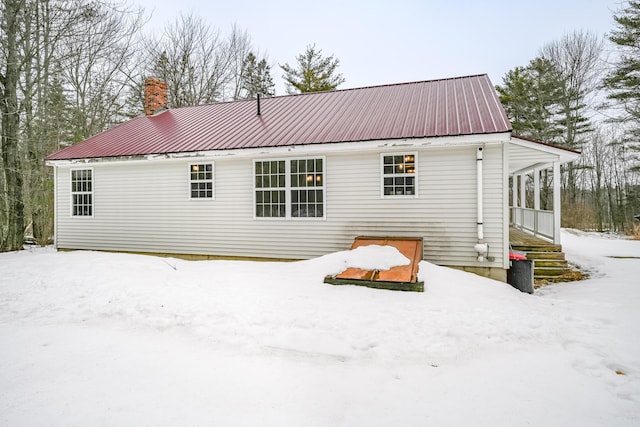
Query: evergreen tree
{"points": [[623, 80], [256, 77], [314, 73], [530, 96]]}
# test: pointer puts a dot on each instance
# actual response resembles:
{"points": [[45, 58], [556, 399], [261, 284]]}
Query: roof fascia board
{"points": [[340, 147]]}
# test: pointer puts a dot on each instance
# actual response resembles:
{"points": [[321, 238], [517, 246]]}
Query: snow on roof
{"points": [[447, 107]]}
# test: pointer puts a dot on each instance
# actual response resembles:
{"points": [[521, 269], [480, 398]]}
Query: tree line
{"points": [[70, 69], [582, 92]]}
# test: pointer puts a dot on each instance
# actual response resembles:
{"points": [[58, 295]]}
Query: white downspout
{"points": [[55, 207], [481, 248]]}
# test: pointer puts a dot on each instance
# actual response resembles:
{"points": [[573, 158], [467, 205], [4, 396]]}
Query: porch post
{"points": [[556, 203], [536, 189], [514, 191], [523, 191]]}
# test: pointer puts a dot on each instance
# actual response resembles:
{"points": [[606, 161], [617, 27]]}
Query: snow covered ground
{"points": [[105, 339]]}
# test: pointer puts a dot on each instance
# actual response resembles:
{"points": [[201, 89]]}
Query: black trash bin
{"points": [[520, 275]]}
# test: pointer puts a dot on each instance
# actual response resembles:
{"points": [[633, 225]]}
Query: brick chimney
{"points": [[155, 96]]}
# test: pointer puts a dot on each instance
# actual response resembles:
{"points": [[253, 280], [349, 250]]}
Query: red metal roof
{"points": [[447, 107]]}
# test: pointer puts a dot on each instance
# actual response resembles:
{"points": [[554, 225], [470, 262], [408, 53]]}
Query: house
{"points": [[299, 176]]}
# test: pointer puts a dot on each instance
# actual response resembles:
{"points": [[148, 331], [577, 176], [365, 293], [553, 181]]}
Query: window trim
{"points": [[288, 188], [72, 193], [415, 175], [213, 180]]}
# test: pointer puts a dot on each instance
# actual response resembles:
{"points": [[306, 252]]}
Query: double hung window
{"points": [[82, 192], [270, 183], [201, 180], [399, 175], [289, 188]]}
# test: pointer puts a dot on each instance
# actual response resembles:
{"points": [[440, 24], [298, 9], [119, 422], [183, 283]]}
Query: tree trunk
{"points": [[13, 229]]}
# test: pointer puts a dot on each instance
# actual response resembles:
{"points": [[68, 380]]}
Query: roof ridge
{"points": [[262, 97]]}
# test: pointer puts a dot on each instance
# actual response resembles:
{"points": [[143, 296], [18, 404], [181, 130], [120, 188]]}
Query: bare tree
{"points": [[577, 57], [100, 65], [193, 59], [239, 47], [64, 68]]}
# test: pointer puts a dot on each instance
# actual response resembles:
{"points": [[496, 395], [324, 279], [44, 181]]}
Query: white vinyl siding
{"points": [[153, 218]]}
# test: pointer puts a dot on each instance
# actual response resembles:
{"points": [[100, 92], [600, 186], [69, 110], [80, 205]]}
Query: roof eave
{"points": [[318, 148]]}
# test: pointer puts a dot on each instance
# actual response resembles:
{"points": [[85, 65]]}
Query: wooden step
{"points": [[543, 272], [538, 248], [557, 263], [546, 256]]}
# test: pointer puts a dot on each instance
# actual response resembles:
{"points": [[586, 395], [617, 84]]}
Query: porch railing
{"points": [[539, 222]]}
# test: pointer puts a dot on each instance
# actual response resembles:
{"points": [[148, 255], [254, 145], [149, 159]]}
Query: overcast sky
{"points": [[382, 42]]}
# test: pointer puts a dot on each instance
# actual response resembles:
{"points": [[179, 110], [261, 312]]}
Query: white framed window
{"points": [[201, 181], [270, 189], [82, 192], [399, 175], [292, 188]]}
